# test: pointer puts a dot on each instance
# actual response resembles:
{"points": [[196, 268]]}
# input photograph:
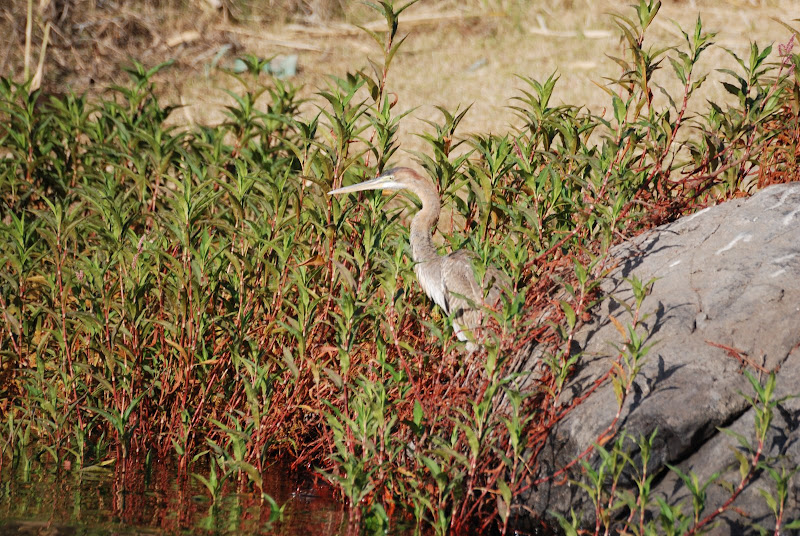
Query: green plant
{"points": [[191, 292]]}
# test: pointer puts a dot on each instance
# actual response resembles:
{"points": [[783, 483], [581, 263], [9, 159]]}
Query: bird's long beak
{"points": [[384, 182]]}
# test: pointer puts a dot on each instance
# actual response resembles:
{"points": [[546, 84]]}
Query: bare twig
{"points": [[272, 39], [341, 29]]}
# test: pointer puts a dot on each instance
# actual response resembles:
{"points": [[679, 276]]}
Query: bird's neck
{"points": [[423, 225]]}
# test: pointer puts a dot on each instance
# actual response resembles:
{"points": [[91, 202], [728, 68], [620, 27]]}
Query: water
{"points": [[98, 502]]}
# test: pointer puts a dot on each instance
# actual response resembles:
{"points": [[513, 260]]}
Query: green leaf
{"points": [[418, 413], [620, 110], [569, 313]]}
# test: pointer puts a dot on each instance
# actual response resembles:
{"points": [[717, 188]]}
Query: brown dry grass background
{"points": [[458, 53]]}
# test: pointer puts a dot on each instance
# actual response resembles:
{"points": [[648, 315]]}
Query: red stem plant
{"points": [[198, 296]]}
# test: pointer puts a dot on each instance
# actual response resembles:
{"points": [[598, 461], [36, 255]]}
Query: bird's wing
{"points": [[459, 280], [465, 294]]}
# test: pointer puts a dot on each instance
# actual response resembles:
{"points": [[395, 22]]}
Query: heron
{"points": [[449, 280]]}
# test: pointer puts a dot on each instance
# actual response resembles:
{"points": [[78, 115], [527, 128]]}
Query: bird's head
{"points": [[400, 178]]}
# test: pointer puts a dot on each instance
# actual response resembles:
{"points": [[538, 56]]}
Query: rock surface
{"points": [[727, 277]]}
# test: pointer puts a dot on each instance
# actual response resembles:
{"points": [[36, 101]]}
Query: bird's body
{"points": [[448, 280]]}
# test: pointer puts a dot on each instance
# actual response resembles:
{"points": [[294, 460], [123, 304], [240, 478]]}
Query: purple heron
{"points": [[449, 280]]}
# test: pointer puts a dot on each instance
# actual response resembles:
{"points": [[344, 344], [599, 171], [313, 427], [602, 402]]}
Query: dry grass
{"points": [[471, 56], [457, 53]]}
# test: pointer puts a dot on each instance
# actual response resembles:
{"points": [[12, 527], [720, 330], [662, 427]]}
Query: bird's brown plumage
{"points": [[449, 280]]}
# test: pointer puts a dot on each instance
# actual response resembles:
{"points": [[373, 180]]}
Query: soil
{"points": [[457, 54]]}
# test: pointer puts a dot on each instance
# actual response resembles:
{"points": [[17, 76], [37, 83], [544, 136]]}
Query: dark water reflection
{"points": [[100, 502]]}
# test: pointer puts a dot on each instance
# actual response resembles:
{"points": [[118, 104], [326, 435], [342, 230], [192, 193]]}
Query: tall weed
{"points": [[192, 292]]}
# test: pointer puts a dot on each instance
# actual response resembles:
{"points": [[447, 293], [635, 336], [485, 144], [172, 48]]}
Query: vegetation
{"points": [[193, 293]]}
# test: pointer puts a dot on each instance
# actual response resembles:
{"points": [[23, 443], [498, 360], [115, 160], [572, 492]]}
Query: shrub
{"points": [[192, 292]]}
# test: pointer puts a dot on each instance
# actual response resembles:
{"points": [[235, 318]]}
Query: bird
{"points": [[449, 280]]}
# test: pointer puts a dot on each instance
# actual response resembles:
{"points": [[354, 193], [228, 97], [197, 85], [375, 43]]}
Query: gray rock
{"points": [[727, 277]]}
